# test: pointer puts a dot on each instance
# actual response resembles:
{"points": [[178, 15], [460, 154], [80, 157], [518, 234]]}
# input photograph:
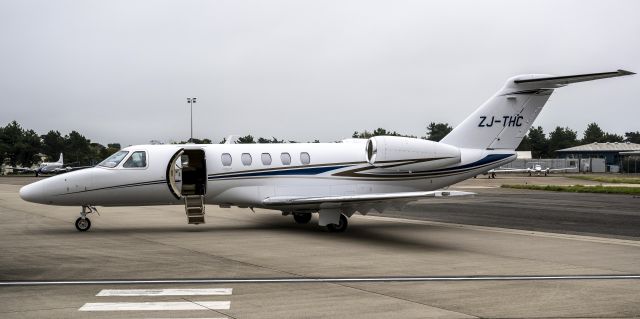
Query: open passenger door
{"points": [[187, 178]]}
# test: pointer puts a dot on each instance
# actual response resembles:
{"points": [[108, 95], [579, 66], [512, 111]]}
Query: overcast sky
{"points": [[120, 71]]}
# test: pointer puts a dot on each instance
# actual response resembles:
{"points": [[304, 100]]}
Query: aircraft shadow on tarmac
{"points": [[380, 234]]}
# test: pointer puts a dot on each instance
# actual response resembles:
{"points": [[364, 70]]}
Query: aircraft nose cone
{"points": [[31, 192]]}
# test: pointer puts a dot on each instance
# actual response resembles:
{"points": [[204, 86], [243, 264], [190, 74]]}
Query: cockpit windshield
{"points": [[113, 160]]}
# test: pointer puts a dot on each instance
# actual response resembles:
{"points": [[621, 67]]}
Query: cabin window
{"points": [[137, 159], [226, 159], [266, 158], [305, 159], [246, 159], [113, 160], [285, 158]]}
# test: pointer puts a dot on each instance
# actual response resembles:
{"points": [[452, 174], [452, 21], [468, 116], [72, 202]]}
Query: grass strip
{"points": [[607, 179], [579, 188]]}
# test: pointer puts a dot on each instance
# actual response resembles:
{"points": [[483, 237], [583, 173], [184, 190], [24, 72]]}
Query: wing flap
{"points": [[344, 199]]}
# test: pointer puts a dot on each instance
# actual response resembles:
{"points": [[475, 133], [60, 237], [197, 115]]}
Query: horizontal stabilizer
{"points": [[555, 81], [294, 200]]}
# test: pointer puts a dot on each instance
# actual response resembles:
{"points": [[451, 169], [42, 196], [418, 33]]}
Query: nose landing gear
{"points": [[83, 223]]}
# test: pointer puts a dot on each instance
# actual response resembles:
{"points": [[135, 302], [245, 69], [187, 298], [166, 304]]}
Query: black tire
{"points": [[341, 227], [83, 224], [302, 218]]}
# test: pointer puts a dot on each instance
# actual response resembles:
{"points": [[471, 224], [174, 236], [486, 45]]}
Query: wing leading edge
{"points": [[555, 81]]}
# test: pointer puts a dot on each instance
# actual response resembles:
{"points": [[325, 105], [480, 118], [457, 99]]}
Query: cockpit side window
{"points": [[138, 159], [113, 160]]}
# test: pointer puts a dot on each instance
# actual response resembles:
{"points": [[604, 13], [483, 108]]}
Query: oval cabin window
{"points": [[285, 158], [246, 159], [226, 159], [266, 159], [305, 159]]}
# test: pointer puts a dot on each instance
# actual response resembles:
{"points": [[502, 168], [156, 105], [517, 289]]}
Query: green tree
{"points": [[28, 148], [11, 136], [78, 148], [538, 142], [562, 138], [377, 132], [246, 140], [525, 144], [437, 131], [53, 144], [273, 140], [4, 147], [612, 137], [593, 134], [632, 137]]}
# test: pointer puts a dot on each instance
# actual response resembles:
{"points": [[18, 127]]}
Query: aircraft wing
{"points": [[362, 203], [69, 169], [551, 170], [510, 170], [21, 169]]}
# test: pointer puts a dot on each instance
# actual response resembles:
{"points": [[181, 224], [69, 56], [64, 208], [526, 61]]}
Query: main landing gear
{"points": [[333, 220], [83, 223], [340, 227], [302, 218]]}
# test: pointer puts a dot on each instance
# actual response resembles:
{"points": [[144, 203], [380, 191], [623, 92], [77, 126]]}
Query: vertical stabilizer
{"points": [[502, 121], [60, 159]]}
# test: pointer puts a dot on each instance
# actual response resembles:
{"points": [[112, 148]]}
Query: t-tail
{"points": [[504, 120], [60, 159]]}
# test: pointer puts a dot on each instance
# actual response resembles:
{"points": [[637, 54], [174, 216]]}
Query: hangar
{"points": [[599, 157]]}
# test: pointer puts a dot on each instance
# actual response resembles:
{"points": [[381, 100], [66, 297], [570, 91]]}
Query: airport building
{"points": [[602, 157]]}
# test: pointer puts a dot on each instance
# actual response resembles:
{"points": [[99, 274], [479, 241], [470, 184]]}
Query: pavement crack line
{"points": [[403, 299], [204, 306]]}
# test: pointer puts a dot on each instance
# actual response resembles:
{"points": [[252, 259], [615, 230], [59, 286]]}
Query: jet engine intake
{"points": [[410, 154]]}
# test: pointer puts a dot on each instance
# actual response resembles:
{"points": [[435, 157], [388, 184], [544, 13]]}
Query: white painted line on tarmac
{"points": [[474, 187], [152, 306], [326, 280], [164, 292]]}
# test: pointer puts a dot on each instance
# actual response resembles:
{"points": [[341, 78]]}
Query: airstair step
{"points": [[194, 208]]}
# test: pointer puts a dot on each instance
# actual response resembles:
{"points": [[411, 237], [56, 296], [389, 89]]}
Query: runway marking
{"points": [[474, 187], [165, 292], [153, 306], [325, 280]]}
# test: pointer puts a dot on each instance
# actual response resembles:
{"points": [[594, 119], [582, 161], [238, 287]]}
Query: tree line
{"points": [[542, 146], [19, 146]]}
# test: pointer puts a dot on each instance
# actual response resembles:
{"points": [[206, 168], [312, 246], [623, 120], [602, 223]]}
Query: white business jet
{"points": [[335, 180]]}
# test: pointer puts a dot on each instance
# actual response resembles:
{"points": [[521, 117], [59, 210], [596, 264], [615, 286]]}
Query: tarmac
{"points": [[500, 254]]}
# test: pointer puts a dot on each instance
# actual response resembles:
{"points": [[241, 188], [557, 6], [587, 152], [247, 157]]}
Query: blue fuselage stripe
{"points": [[308, 171]]}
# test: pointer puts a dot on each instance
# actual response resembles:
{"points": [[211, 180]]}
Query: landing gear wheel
{"points": [[302, 218], [341, 227], [83, 224]]}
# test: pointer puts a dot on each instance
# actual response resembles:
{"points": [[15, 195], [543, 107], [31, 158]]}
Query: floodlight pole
{"points": [[191, 100]]}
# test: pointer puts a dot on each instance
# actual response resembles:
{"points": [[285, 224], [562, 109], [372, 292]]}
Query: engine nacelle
{"points": [[410, 154]]}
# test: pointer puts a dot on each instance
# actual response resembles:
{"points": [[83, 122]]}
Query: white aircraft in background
{"points": [[536, 168], [50, 167], [335, 180], [43, 168]]}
